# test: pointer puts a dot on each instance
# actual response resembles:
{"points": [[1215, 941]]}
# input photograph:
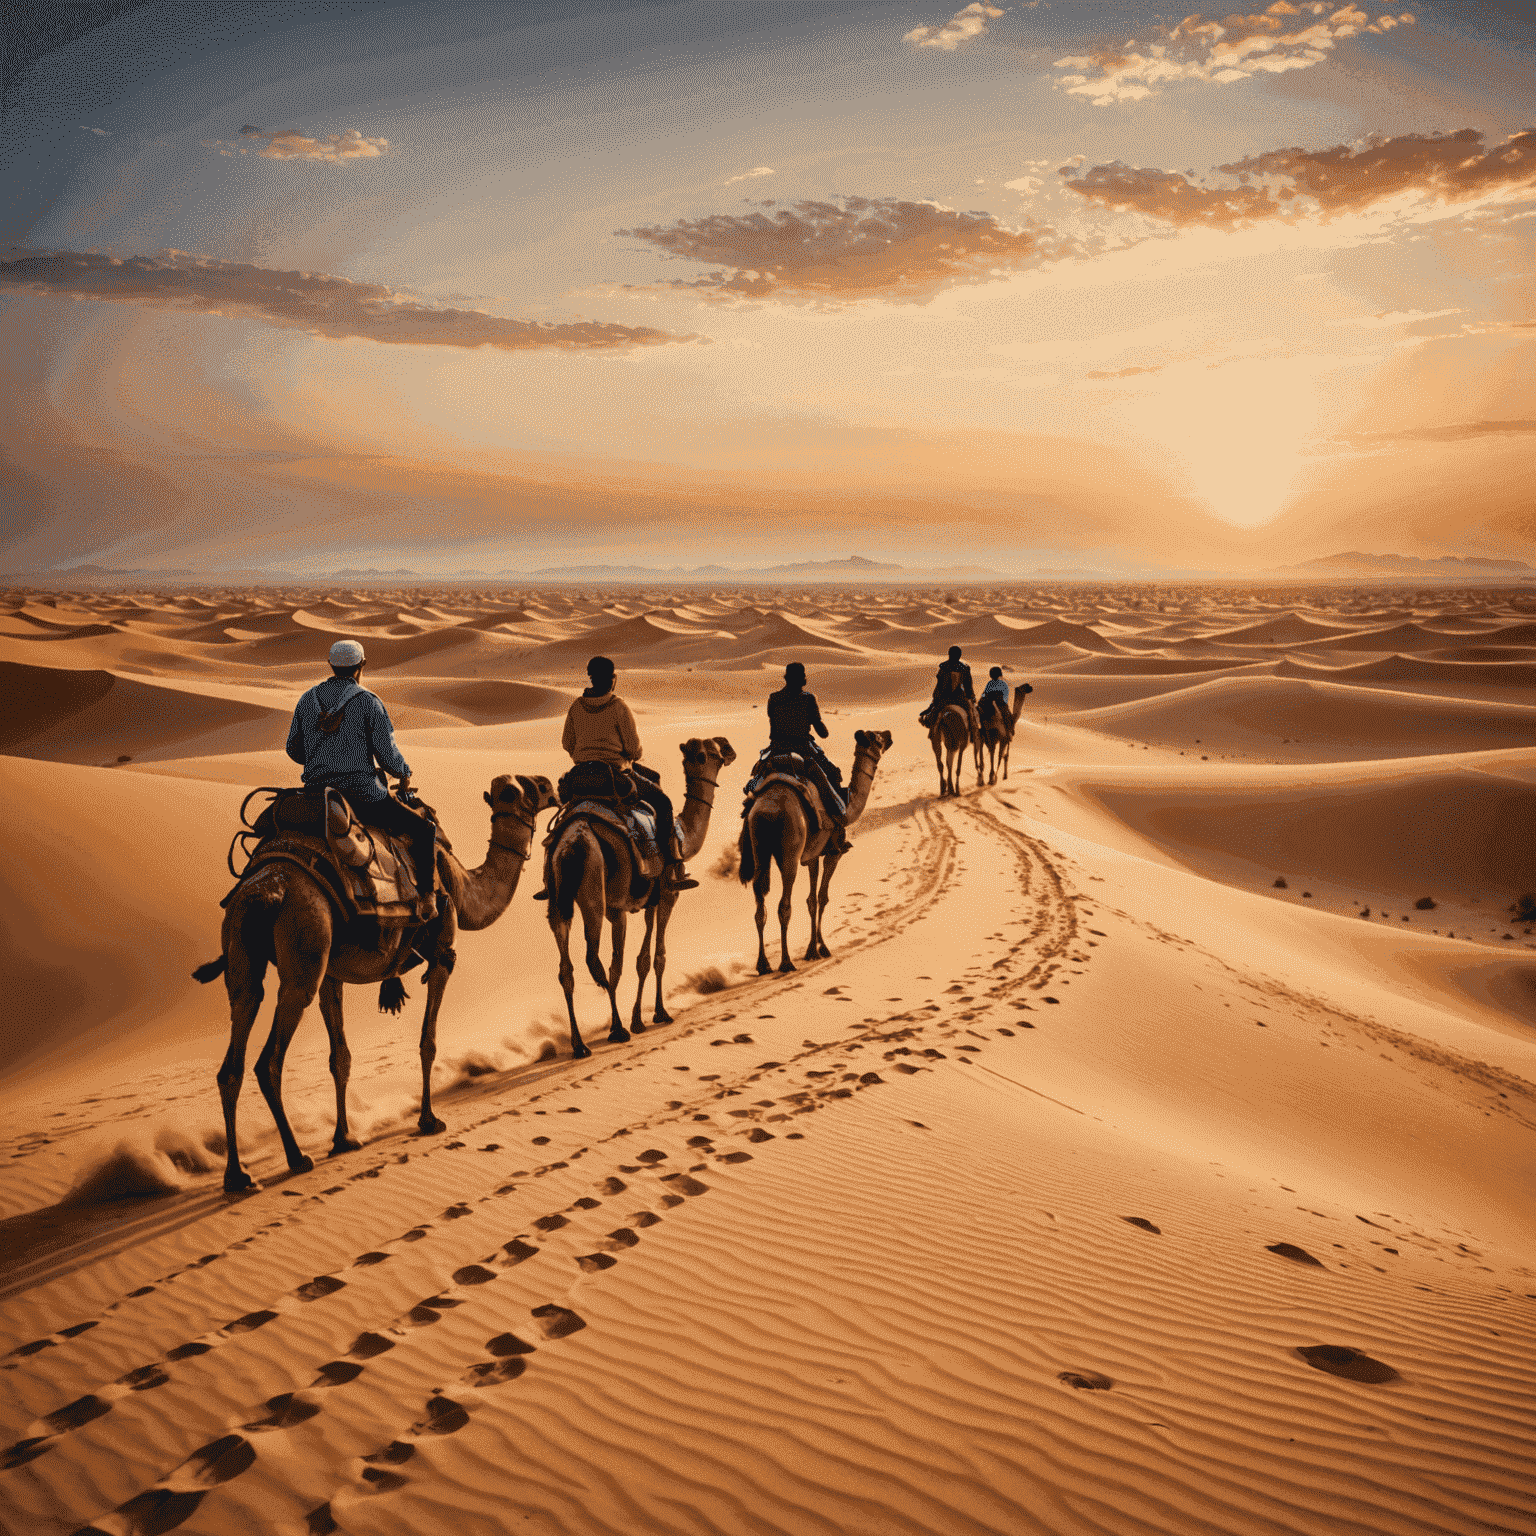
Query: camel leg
{"points": [[618, 922], [762, 878], [829, 868], [562, 927], [437, 983], [810, 907], [294, 995], [663, 917], [242, 982], [643, 968], [938, 758], [788, 869], [341, 1062]]}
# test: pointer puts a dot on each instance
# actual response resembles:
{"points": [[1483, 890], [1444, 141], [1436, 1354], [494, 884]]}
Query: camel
{"points": [[282, 916], [591, 868], [776, 832], [996, 742], [950, 735]]}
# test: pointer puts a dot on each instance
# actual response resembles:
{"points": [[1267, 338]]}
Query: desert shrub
{"points": [[1280, 884], [1523, 910], [1425, 904], [728, 863]]}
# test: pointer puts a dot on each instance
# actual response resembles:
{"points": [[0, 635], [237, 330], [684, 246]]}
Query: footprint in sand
{"points": [[173, 1501], [1143, 1223], [1088, 1381], [1341, 1360], [1292, 1252]]}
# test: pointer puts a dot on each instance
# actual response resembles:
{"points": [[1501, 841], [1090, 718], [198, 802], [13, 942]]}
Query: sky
{"points": [[498, 286]]}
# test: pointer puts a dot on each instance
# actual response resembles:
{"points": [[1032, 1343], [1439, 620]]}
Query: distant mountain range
{"points": [[1356, 563], [855, 568]]}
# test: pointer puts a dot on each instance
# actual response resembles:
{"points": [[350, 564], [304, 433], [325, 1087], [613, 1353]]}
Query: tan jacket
{"points": [[601, 731]]}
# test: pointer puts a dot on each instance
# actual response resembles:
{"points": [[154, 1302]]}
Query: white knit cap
{"points": [[346, 653]]}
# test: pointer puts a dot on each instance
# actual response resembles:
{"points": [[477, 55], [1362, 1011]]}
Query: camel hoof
{"points": [[661, 1016], [238, 1183], [786, 965], [303, 1165], [430, 1125], [823, 953], [763, 968], [345, 1144], [617, 1035], [580, 1053], [636, 1027]]}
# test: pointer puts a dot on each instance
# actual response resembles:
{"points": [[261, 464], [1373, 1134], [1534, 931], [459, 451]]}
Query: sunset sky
{"points": [[500, 286]]}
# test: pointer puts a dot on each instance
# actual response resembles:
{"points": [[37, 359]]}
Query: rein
{"points": [[688, 794], [498, 842]]}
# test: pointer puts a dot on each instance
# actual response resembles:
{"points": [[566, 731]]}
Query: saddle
{"points": [[801, 775], [367, 872], [608, 795], [597, 781]]}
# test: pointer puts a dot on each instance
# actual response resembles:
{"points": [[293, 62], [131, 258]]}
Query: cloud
{"points": [[963, 27], [313, 302], [1396, 317], [1218, 52], [1122, 373], [1454, 432], [756, 171], [100, 133], [867, 248], [290, 144], [1293, 183]]}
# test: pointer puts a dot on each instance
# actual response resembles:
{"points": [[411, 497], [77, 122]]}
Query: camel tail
{"points": [[745, 868], [210, 972], [392, 995], [572, 868]]}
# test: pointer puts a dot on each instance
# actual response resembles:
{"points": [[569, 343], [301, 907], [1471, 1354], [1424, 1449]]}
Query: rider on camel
{"points": [[793, 714], [952, 685], [600, 728], [995, 696], [339, 731]]}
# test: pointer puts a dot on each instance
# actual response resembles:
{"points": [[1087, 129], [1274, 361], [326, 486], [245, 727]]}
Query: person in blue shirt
{"points": [[340, 731], [997, 692]]}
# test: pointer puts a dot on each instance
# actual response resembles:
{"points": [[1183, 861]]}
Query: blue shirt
{"points": [[999, 686], [345, 757]]}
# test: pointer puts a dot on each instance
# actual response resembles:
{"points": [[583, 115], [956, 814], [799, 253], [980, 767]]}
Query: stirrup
{"points": [[677, 878]]}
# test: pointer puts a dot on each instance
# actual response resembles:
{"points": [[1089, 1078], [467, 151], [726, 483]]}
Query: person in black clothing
{"points": [[953, 685], [793, 714]]}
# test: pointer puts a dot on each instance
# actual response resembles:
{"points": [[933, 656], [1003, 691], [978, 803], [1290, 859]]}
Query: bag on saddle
{"points": [[598, 781]]}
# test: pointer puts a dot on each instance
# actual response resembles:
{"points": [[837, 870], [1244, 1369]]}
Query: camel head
{"points": [[697, 751], [520, 793], [872, 744]]}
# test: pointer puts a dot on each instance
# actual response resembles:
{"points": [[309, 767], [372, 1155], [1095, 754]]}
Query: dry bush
{"points": [[710, 979], [1425, 904], [725, 867]]}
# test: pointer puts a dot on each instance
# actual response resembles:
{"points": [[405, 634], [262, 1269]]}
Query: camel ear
{"points": [[487, 797], [529, 787], [725, 749], [860, 737], [887, 739]]}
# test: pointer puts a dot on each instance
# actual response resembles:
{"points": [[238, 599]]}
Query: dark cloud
{"points": [[864, 248], [303, 301], [1299, 183]]}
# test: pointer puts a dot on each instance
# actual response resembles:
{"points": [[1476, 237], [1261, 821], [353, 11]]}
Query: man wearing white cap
{"points": [[339, 731]]}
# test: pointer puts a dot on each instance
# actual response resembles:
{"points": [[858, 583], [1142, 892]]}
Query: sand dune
{"points": [[95, 717], [1415, 669], [1293, 720], [1095, 1184]]}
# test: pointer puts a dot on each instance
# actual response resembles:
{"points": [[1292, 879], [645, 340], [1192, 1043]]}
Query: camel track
{"points": [[462, 1258]]}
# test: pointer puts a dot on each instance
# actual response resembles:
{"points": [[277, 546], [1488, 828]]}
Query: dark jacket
{"points": [[345, 756], [946, 688], [792, 715]]}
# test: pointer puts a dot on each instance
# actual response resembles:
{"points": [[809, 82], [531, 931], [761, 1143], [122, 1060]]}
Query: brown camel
{"points": [[777, 832], [282, 916], [950, 735], [996, 740], [592, 867]]}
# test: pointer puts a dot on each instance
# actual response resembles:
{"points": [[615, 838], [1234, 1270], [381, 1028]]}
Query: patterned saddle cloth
{"points": [[367, 872]]}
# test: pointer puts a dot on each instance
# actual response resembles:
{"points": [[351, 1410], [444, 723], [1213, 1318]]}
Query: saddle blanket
{"points": [[637, 823], [366, 871]]}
